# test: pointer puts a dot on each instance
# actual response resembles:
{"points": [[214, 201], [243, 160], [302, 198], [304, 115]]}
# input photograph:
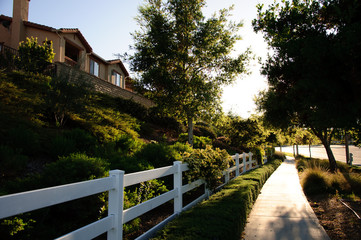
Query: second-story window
{"points": [[117, 78], [94, 68]]}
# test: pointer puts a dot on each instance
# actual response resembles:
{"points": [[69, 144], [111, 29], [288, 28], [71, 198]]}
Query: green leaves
{"points": [[183, 59], [310, 79], [34, 57], [207, 164]]}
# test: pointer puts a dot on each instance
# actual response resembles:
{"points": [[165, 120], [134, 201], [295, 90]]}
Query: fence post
{"points": [[244, 162], [237, 164], [250, 160], [115, 206], [226, 177], [177, 185]]}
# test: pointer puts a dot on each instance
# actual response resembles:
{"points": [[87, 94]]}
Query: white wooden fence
{"points": [[14, 204]]}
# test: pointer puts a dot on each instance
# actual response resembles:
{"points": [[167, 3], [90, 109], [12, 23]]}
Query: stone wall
{"points": [[109, 88]]}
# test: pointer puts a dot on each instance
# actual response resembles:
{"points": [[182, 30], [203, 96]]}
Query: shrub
{"points": [[129, 164], [158, 154], [68, 216], [315, 181], [198, 142], [129, 106], [258, 153], [270, 151], [339, 183], [69, 93], [34, 57], [158, 117], [107, 124], [23, 138], [61, 146], [127, 144], [207, 164], [301, 165], [355, 181], [205, 131], [181, 148], [278, 155], [224, 214], [12, 162], [84, 141]]}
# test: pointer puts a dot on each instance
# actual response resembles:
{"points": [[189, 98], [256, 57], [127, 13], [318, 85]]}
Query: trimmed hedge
{"points": [[224, 214]]}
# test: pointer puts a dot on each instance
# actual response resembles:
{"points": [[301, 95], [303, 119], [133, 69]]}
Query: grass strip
{"points": [[224, 214]]}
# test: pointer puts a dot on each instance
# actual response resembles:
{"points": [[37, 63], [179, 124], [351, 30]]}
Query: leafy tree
{"points": [[34, 57], [184, 59], [245, 133], [312, 73], [69, 92]]}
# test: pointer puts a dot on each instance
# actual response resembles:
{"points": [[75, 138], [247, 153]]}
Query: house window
{"points": [[117, 79], [71, 52], [94, 68]]}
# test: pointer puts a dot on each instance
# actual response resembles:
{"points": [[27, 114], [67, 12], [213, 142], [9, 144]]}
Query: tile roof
{"points": [[51, 29]]}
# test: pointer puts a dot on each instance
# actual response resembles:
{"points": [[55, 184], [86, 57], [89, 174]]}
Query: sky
{"points": [[107, 26]]}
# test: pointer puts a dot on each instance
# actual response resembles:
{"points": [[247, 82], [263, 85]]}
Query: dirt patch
{"points": [[338, 220]]}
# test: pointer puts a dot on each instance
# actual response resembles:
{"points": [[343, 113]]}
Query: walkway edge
{"points": [[282, 210]]}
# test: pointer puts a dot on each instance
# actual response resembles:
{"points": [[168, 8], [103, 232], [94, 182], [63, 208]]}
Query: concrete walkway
{"points": [[282, 211]]}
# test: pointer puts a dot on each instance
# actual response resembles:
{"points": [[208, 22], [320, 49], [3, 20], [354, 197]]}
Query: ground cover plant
{"points": [[332, 196], [224, 214], [55, 130], [36, 151]]}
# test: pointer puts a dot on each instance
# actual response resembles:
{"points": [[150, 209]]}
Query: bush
{"points": [[61, 146], [205, 131], [278, 155], [34, 57], [157, 117], [69, 93], [224, 214], [84, 141], [258, 153], [126, 144], [12, 162], [158, 154], [181, 148], [52, 222], [339, 183], [207, 164], [129, 106], [23, 138], [72, 141], [198, 142], [270, 151], [73, 168], [354, 180], [315, 181]]}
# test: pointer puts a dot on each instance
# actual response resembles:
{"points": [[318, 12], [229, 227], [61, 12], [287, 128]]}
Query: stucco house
{"points": [[70, 46]]}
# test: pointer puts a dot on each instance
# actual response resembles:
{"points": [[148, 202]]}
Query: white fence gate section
{"points": [[14, 204]]}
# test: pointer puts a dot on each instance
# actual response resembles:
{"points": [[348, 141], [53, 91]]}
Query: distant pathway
{"points": [[318, 151], [282, 211]]}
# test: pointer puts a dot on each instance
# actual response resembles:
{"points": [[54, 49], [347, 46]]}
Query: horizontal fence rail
{"points": [[13, 204]]}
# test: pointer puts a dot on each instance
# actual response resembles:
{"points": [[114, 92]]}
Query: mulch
{"points": [[337, 219]]}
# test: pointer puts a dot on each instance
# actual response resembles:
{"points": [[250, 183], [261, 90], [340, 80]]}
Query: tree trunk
{"points": [[325, 138], [331, 157], [309, 148], [190, 131], [297, 150]]}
